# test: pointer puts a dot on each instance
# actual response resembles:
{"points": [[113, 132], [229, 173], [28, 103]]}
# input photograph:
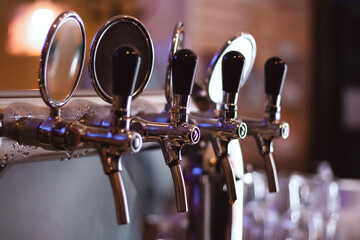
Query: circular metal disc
{"points": [[117, 32], [177, 43], [243, 43], [62, 59]]}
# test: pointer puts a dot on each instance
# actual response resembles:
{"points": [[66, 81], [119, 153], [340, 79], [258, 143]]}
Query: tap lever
{"points": [[275, 72], [126, 62], [232, 70], [184, 66], [233, 64]]}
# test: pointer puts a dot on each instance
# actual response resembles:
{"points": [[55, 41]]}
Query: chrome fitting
{"points": [[180, 110], [272, 107], [228, 110]]}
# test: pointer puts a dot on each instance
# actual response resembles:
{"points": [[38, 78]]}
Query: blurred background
{"points": [[318, 40]]}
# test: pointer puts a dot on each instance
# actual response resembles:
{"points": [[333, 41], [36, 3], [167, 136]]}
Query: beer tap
{"points": [[227, 126], [170, 128], [58, 133], [177, 132], [126, 62], [264, 131]]}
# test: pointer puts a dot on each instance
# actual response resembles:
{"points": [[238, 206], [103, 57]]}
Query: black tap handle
{"points": [[126, 62], [233, 63], [183, 69], [275, 72]]}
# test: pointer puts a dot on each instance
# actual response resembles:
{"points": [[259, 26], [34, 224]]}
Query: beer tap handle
{"points": [[232, 70], [275, 72], [184, 66], [233, 63], [183, 69], [126, 62]]}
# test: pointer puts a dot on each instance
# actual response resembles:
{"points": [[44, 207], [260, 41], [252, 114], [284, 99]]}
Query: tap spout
{"points": [[179, 187], [270, 168], [229, 178], [121, 206]]}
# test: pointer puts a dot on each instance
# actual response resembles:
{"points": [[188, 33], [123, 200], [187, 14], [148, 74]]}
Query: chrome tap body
{"points": [[210, 214], [171, 138], [265, 130], [226, 127], [176, 132], [220, 132]]}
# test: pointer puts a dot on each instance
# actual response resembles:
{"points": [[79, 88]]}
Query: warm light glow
{"points": [[42, 18], [28, 27]]}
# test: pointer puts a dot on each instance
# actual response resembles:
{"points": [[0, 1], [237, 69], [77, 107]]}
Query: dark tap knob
{"points": [[275, 72], [232, 68], [184, 66], [233, 63], [126, 62], [183, 70]]}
